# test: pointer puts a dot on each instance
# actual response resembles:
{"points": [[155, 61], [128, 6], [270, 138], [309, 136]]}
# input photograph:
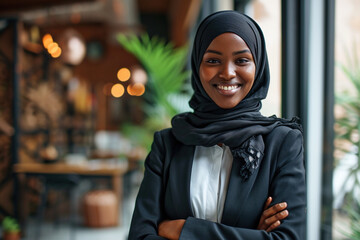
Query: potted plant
{"points": [[168, 87], [11, 229]]}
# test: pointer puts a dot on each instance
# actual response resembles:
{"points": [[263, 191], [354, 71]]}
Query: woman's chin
{"points": [[227, 105]]}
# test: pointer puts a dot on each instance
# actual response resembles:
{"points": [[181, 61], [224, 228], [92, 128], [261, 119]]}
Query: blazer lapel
{"points": [[178, 190], [237, 193]]}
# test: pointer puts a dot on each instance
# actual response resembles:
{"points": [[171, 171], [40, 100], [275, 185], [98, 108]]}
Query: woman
{"points": [[209, 176]]}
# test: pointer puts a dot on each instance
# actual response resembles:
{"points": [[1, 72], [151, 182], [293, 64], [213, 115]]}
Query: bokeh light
{"points": [[47, 39], [56, 53], [139, 75], [117, 90], [124, 74], [136, 89], [53, 47]]}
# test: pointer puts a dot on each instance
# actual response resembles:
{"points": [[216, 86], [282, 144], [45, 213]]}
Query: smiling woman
{"points": [[227, 74], [224, 171]]}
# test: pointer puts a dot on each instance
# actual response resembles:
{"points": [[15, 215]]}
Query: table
{"points": [[92, 168], [112, 168]]}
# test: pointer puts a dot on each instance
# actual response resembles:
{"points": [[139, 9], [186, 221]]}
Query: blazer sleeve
{"points": [[287, 184], [148, 212]]}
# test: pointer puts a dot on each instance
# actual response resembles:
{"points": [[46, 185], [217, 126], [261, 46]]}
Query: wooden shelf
{"points": [[90, 168]]}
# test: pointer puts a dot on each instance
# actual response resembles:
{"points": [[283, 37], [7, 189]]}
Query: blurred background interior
{"points": [[84, 84]]}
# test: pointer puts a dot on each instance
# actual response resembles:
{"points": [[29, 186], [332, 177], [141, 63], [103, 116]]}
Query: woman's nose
{"points": [[228, 72]]}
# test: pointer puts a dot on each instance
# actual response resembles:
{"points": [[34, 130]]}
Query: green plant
{"points": [[10, 224], [347, 133], [353, 232], [167, 93], [347, 125]]}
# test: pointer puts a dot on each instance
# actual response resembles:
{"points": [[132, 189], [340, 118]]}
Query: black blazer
{"points": [[165, 191]]}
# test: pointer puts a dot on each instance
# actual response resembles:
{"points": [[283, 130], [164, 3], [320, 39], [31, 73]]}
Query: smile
{"points": [[228, 87]]}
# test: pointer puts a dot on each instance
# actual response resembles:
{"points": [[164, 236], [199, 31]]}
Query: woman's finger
{"points": [[271, 216], [273, 226], [267, 203], [277, 217], [274, 209], [262, 225]]}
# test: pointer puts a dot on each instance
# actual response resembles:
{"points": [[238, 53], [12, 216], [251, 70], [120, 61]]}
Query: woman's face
{"points": [[227, 70]]}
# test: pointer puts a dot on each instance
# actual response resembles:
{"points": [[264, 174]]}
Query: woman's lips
{"points": [[227, 89]]}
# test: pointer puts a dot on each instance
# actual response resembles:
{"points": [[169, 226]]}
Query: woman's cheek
{"points": [[206, 74], [249, 74]]}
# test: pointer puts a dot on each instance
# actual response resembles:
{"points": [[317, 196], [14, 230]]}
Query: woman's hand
{"points": [[270, 218], [171, 229]]}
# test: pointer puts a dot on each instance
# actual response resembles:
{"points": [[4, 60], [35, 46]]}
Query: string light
{"points": [[123, 74], [47, 39], [53, 47], [136, 89], [56, 53], [117, 90]]}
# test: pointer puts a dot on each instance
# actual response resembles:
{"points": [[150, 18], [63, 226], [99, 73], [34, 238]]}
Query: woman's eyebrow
{"points": [[242, 51], [234, 53], [213, 51]]}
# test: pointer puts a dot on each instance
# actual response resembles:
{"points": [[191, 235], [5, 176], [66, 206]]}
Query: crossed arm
{"points": [[149, 222], [270, 219]]}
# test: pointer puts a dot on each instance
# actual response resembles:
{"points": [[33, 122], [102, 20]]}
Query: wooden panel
{"points": [[88, 168], [183, 15], [22, 5], [153, 6], [6, 117]]}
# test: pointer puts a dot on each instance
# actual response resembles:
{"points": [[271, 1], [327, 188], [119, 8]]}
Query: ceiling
{"points": [[117, 14], [15, 6]]}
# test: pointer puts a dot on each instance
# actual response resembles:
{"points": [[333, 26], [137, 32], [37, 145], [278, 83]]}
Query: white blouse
{"points": [[209, 181]]}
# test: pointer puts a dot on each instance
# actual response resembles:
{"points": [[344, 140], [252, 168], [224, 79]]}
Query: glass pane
{"points": [[268, 16], [347, 116]]}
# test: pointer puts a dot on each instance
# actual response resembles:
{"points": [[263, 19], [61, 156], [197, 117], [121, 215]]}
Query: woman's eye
{"points": [[212, 61], [242, 60]]}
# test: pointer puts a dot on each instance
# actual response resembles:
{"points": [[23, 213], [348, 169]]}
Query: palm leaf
{"points": [[347, 128], [353, 213], [166, 68]]}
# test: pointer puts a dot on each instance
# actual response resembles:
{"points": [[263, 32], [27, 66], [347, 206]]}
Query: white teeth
{"points": [[226, 88]]}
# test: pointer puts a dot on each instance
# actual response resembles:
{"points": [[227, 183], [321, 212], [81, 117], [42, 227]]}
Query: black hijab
{"points": [[241, 128]]}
